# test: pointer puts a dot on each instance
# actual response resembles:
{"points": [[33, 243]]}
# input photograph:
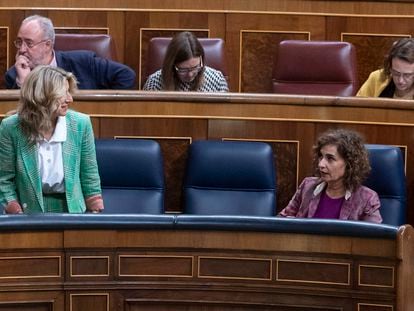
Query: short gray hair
{"points": [[45, 24]]}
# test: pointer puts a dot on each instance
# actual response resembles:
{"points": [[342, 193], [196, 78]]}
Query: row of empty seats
{"points": [[224, 178], [302, 67]]}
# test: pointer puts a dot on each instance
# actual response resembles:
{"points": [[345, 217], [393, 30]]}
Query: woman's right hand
{"points": [[13, 207]]}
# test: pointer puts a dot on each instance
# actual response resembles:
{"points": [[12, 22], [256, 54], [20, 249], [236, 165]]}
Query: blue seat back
{"points": [[230, 178], [387, 178], [132, 175]]}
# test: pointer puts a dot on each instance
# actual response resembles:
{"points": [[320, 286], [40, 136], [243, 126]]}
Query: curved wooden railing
{"points": [[289, 123], [147, 262]]}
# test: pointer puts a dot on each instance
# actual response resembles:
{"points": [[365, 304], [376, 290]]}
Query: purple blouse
{"points": [[328, 207]]}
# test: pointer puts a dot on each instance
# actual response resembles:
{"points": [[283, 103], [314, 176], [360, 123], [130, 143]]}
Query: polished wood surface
{"points": [[320, 6], [166, 269], [251, 29], [290, 124]]}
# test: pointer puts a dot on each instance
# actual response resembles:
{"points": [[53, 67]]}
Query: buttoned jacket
{"points": [[19, 173], [91, 71], [361, 204]]}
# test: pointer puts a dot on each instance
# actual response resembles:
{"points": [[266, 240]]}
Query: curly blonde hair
{"points": [[351, 148], [39, 99]]}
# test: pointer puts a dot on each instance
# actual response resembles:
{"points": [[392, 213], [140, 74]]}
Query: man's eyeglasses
{"points": [[29, 44], [404, 76], [184, 71]]}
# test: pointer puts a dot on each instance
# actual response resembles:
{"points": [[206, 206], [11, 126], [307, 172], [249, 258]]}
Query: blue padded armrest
{"points": [[196, 222], [66, 221], [287, 225]]}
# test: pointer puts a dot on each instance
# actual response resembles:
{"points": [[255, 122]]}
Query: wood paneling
{"points": [[258, 50], [3, 52], [316, 6], [371, 49], [251, 32], [192, 269], [89, 301], [290, 124]]}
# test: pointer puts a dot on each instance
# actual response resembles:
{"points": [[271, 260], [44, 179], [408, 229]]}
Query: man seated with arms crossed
{"points": [[34, 43]]}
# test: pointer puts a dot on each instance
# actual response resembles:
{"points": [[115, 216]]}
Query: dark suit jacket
{"points": [[92, 72]]}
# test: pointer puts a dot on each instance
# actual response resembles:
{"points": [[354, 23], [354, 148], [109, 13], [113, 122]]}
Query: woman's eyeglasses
{"points": [[404, 76], [184, 71]]}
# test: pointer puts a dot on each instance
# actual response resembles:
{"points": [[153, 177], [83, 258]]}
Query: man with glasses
{"points": [[396, 79], [34, 45]]}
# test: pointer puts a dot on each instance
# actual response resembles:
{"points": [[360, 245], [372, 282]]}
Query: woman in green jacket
{"points": [[47, 154]]}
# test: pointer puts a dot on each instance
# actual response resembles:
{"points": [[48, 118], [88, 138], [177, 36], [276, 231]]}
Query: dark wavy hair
{"points": [[351, 148], [402, 49], [182, 47]]}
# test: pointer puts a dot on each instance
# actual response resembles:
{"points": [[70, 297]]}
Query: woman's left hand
{"points": [[94, 204]]}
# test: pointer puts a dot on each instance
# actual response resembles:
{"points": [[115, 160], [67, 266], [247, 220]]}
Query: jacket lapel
{"points": [[346, 209], [313, 205], [69, 159], [29, 156]]}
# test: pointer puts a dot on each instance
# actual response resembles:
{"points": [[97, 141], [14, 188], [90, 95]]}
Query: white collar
{"points": [[59, 135], [319, 188], [53, 63]]}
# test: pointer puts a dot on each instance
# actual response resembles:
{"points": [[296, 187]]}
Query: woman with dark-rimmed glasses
{"points": [[184, 70], [396, 78]]}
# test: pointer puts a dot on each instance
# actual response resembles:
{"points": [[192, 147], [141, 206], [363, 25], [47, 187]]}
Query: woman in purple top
{"points": [[341, 163]]}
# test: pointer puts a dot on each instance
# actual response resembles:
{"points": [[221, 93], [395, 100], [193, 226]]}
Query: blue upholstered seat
{"points": [[387, 178], [230, 178], [132, 175]]}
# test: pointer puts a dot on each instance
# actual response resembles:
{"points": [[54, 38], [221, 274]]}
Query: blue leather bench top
{"points": [[195, 222]]}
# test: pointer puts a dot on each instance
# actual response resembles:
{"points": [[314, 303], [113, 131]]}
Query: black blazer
{"points": [[92, 72]]}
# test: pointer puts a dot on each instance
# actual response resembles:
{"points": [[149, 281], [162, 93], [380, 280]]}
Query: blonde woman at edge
{"points": [[47, 159]]}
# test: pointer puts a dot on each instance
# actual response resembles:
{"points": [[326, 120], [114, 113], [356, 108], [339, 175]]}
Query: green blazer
{"points": [[19, 172]]}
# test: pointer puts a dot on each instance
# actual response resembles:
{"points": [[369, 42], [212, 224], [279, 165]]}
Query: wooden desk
{"points": [[289, 123], [106, 262]]}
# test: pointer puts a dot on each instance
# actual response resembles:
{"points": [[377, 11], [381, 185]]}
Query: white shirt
{"points": [[53, 63], [50, 159]]}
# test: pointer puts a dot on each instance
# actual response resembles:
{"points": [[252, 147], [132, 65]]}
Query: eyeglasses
{"points": [[184, 71], [405, 76], [29, 44]]}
